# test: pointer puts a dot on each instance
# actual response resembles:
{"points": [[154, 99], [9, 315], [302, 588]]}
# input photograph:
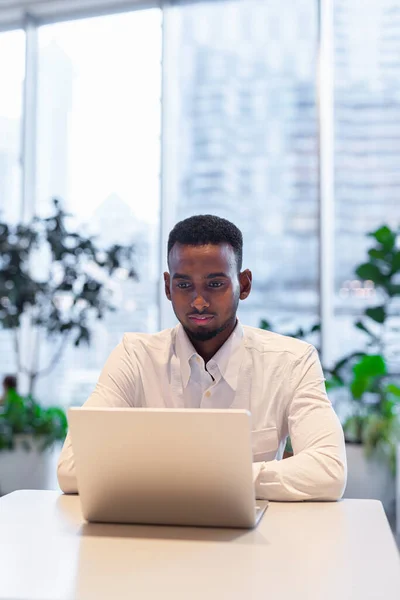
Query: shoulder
{"points": [[268, 342], [155, 341]]}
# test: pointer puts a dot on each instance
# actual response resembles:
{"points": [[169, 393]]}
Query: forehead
{"points": [[208, 258]]}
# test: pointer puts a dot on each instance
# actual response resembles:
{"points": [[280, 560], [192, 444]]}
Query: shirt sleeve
{"points": [[317, 470], [115, 388]]}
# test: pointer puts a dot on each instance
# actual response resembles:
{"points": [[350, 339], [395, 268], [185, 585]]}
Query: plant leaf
{"points": [[358, 387], [385, 236], [360, 325], [370, 271], [393, 289], [367, 372], [377, 314], [333, 383], [395, 263], [370, 365], [377, 254], [393, 389]]}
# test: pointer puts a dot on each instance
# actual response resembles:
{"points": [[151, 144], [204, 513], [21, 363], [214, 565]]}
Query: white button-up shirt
{"points": [[277, 378]]}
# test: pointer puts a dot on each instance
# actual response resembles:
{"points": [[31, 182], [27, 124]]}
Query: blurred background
{"points": [[283, 117]]}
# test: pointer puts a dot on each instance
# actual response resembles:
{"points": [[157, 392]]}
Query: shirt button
{"points": [[208, 394]]}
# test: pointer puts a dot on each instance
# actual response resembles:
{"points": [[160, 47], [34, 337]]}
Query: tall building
{"points": [[367, 153], [367, 117], [55, 82], [10, 168], [248, 142], [10, 190]]}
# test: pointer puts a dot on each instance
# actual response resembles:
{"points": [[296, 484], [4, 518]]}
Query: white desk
{"points": [[309, 551]]}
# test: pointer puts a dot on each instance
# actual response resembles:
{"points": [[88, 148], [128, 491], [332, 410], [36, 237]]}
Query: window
{"points": [[98, 149], [241, 127], [367, 148], [12, 73], [239, 139]]}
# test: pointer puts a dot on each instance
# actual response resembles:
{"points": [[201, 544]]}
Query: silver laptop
{"points": [[165, 466]]}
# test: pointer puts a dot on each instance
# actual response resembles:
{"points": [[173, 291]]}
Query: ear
{"points": [[245, 279], [167, 284]]}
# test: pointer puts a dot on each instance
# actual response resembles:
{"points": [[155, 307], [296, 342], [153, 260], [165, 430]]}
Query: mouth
{"points": [[201, 319]]}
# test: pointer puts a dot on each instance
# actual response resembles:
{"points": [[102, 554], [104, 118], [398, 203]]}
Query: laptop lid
{"points": [[164, 466]]}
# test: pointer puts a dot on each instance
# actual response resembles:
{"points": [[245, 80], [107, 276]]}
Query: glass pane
{"points": [[367, 150], [12, 73], [98, 150], [242, 141]]}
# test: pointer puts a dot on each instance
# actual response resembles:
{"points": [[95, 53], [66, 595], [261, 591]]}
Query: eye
{"points": [[183, 285], [216, 284]]}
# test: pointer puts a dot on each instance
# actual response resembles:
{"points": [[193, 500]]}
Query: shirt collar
{"points": [[228, 358], [184, 350]]}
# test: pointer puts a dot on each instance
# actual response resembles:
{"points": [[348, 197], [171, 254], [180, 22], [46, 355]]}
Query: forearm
{"points": [[66, 469], [314, 474]]}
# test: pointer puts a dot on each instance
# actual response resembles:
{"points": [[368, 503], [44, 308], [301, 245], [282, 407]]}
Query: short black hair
{"points": [[200, 230]]}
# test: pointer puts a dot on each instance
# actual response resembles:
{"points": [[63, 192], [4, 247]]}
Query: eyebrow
{"points": [[212, 275], [209, 276]]}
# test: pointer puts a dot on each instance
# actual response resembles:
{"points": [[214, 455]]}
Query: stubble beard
{"points": [[205, 336]]}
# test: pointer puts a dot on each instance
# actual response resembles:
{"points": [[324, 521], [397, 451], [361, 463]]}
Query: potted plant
{"points": [[370, 418], [28, 435], [55, 282], [58, 281], [371, 378]]}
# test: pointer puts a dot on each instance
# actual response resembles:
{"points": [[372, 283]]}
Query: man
{"points": [[210, 360]]}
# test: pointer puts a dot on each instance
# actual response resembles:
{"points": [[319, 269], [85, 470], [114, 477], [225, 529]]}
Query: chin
{"points": [[202, 333]]}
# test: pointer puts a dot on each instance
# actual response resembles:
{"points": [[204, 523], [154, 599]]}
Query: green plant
{"points": [[373, 387], [372, 411], [23, 416], [383, 269], [59, 281], [374, 404]]}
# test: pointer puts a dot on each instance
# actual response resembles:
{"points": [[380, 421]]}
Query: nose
{"points": [[199, 303]]}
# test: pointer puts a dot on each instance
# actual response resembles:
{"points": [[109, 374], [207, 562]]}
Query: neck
{"points": [[208, 348]]}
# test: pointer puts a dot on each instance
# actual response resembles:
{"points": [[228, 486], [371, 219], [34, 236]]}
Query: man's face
{"points": [[204, 287]]}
